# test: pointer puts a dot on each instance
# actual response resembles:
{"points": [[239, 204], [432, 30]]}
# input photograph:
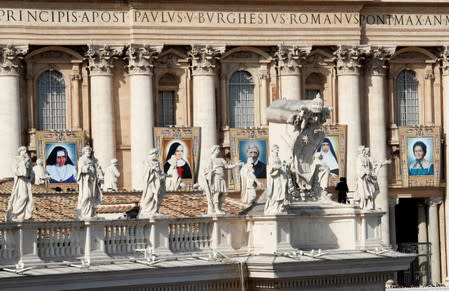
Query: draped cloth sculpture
{"points": [[277, 184], [367, 184], [212, 181], [305, 118], [249, 183], [153, 188], [40, 174], [20, 204], [173, 180], [89, 179], [111, 176]]}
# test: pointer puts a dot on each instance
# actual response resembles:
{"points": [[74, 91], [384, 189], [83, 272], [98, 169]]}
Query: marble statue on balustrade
{"points": [[278, 184], [20, 204], [154, 186], [40, 174], [212, 180], [173, 180], [248, 183], [90, 176], [367, 184], [111, 176], [306, 118]]}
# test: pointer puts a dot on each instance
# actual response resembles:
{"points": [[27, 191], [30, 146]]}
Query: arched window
{"points": [[407, 98], [168, 86], [51, 101], [241, 89]]}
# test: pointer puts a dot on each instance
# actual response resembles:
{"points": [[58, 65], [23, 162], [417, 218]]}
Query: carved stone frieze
{"points": [[10, 57], [378, 58], [291, 58], [140, 58], [204, 58], [101, 58], [349, 59]]}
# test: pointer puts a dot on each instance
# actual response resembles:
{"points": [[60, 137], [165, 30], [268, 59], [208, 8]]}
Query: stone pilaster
{"points": [[204, 63], [445, 84], [422, 238], [76, 97], [289, 64], [434, 239], [392, 202], [377, 97], [140, 62], [10, 129], [348, 66], [101, 62]]}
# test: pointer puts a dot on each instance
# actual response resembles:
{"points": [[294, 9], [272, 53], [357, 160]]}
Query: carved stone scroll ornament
{"points": [[101, 58], [378, 58], [140, 58], [204, 58], [10, 57], [349, 59], [291, 58]]}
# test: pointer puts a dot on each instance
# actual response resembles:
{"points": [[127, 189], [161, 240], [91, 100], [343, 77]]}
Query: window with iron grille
{"points": [[407, 98], [51, 101], [241, 92], [167, 106]]}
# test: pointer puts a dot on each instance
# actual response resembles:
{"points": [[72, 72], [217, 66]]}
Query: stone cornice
{"points": [[101, 58], [378, 58], [10, 57], [349, 59], [291, 58], [140, 58], [204, 58]]}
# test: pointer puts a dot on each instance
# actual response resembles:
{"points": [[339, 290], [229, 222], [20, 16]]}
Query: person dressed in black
{"points": [[342, 189], [182, 166]]}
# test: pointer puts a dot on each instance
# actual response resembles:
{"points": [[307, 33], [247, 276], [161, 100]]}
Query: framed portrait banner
{"points": [[420, 149], [179, 145], [250, 145], [59, 151], [333, 150]]}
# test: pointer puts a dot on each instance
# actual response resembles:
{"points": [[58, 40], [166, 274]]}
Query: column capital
{"points": [[204, 59], [444, 56], [434, 202], [140, 58], [291, 58], [10, 57], [378, 58], [393, 201], [349, 59], [101, 58]]}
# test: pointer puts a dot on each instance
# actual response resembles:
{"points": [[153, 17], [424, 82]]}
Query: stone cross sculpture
{"points": [[367, 184], [305, 118], [89, 179], [20, 204], [154, 186], [40, 174], [212, 181], [111, 176]]}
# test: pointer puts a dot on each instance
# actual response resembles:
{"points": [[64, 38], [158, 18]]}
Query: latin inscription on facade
{"points": [[176, 18]]}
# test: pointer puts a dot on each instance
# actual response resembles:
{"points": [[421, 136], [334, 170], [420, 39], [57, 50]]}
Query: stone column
{"points": [[101, 60], [445, 97], [204, 62], [422, 238], [348, 65], [434, 239], [392, 202], [140, 60], [10, 117], [289, 65], [76, 98], [376, 86]]}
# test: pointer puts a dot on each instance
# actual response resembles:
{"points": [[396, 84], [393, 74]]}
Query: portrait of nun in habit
{"points": [[326, 149], [60, 167], [182, 165]]}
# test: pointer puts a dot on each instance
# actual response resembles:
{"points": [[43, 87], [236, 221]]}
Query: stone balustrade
{"points": [[29, 243]]}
